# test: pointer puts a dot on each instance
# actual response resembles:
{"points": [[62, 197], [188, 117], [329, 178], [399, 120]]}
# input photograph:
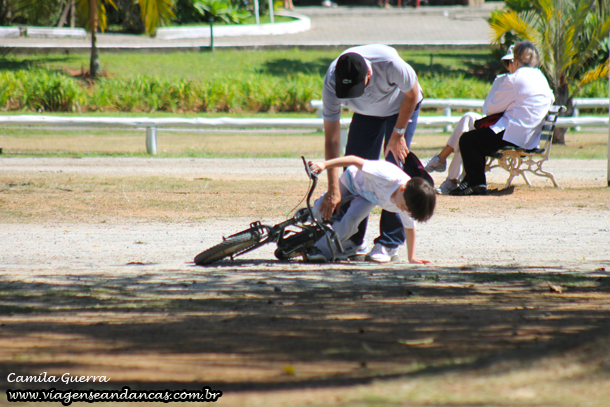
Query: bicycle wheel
{"points": [[231, 245]]}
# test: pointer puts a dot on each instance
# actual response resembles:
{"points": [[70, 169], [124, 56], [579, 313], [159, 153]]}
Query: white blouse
{"points": [[525, 98]]}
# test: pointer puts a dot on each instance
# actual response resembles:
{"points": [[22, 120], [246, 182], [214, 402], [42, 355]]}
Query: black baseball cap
{"points": [[350, 72]]}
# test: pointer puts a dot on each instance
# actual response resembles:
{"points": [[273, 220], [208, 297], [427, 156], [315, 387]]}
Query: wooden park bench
{"points": [[518, 160]]}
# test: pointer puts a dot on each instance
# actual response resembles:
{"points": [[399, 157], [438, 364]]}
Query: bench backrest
{"points": [[546, 135], [549, 122]]}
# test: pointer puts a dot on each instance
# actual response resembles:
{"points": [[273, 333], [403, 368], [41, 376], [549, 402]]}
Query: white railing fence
{"points": [[448, 104], [151, 125]]}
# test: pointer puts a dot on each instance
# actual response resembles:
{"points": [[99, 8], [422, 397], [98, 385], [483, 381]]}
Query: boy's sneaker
{"points": [[354, 251], [382, 254], [446, 187], [315, 255], [435, 164]]}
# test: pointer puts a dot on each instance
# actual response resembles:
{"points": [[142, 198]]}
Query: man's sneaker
{"points": [[458, 190], [382, 254], [354, 251], [469, 191], [446, 187], [435, 164], [315, 255]]}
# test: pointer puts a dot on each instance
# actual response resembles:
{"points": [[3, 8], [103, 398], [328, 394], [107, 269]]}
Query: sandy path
{"points": [[474, 232]]}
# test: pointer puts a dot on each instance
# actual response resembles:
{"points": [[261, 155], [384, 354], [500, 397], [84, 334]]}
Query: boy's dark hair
{"points": [[420, 198]]}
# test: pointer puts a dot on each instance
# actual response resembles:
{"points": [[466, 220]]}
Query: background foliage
{"points": [[127, 17], [225, 81]]}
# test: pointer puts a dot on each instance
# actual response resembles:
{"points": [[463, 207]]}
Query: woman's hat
{"points": [[509, 56]]}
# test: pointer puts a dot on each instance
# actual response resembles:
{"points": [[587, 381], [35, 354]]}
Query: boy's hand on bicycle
{"points": [[316, 168]]}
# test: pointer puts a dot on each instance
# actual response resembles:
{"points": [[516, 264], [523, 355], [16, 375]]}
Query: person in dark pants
{"points": [[384, 93], [524, 98]]}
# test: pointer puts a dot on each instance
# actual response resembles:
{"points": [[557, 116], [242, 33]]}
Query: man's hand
{"points": [[330, 204], [398, 147]]}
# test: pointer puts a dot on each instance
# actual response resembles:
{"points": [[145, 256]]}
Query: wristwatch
{"points": [[400, 131]]}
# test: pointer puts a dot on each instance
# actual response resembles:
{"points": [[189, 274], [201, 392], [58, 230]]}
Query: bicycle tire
{"points": [[233, 244]]}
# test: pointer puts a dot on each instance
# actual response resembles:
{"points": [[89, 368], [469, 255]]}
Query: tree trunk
{"points": [[5, 12], [64, 14], [562, 97], [95, 61], [72, 13], [212, 34]]}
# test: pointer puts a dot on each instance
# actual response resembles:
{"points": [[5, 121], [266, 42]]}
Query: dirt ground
{"points": [[96, 278]]}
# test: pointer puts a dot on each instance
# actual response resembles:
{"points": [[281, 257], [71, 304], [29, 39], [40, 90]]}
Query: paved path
{"points": [[336, 27]]}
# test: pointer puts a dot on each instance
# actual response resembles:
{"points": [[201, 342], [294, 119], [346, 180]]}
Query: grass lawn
{"points": [[446, 73], [224, 81], [40, 142], [200, 65]]}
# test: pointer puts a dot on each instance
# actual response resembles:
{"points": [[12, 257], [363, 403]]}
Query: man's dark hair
{"points": [[420, 198]]}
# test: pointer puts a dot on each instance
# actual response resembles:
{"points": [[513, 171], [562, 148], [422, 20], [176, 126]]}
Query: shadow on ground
{"points": [[247, 326]]}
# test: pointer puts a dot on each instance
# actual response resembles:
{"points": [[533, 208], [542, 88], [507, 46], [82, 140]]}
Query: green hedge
{"points": [[42, 90]]}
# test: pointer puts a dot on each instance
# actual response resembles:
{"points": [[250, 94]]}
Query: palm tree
{"points": [[567, 33], [93, 12], [217, 10], [155, 13]]}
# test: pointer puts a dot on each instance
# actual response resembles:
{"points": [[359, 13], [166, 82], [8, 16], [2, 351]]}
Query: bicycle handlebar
{"points": [[314, 178], [310, 174]]}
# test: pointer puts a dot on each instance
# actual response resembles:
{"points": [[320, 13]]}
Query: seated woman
{"points": [[524, 98], [465, 124]]}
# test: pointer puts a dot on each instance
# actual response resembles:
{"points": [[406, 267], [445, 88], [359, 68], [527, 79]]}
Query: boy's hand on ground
{"points": [[419, 261], [316, 168]]}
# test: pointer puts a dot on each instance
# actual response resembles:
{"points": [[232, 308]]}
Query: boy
{"points": [[366, 184]]}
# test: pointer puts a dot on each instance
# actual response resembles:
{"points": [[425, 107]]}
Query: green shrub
{"points": [[456, 87], [11, 91], [43, 90], [595, 89], [40, 90]]}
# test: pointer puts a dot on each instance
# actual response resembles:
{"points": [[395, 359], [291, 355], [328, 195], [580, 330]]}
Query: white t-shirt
{"points": [[376, 183]]}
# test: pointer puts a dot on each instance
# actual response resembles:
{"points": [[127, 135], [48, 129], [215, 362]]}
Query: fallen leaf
{"points": [[416, 342], [554, 288]]}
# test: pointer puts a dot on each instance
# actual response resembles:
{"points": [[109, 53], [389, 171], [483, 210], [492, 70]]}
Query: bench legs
{"points": [[512, 161]]}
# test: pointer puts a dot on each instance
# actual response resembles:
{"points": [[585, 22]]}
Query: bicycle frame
{"points": [[290, 242]]}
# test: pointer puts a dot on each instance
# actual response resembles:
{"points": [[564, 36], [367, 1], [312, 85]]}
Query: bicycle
{"points": [[293, 237]]}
